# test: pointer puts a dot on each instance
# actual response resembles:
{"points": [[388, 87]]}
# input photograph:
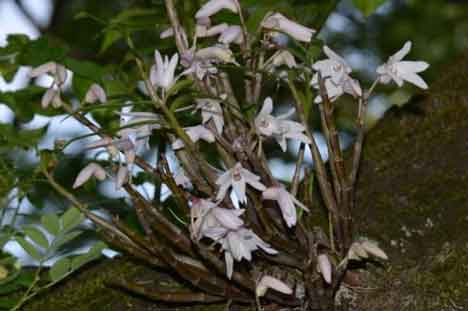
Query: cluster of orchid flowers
{"points": [[209, 219]]}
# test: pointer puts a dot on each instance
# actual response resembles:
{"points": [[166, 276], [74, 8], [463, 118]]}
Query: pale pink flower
{"points": [[280, 58], [52, 95], [203, 31], [195, 133], [324, 267], [169, 32], [214, 6], [334, 68], [216, 54], [278, 22], [356, 252], [265, 123], [286, 201], [363, 248], [372, 248], [211, 110], [290, 130], [92, 169], [59, 74], [399, 71], [347, 85], [95, 93], [277, 127], [138, 126], [209, 220], [162, 73], [232, 34], [201, 67], [267, 282], [237, 178], [239, 245]]}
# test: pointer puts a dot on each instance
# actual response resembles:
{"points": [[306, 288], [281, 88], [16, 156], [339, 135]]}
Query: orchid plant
{"points": [[230, 245]]}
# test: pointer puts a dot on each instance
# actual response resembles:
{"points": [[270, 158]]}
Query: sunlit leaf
{"points": [[51, 223], [71, 218], [36, 235], [64, 239], [60, 268], [29, 248]]}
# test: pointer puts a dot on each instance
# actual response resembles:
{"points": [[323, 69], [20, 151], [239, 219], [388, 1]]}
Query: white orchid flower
{"points": [[399, 71], [334, 68], [52, 95], [290, 130], [324, 267], [277, 127], [280, 58], [214, 6], [95, 93], [90, 170], [169, 32], [372, 248], [203, 31], [195, 133], [265, 123], [217, 53], [232, 34], [211, 110], [59, 74], [347, 85], [237, 178], [286, 201], [199, 66], [209, 220], [239, 245], [267, 282], [278, 22], [162, 73], [136, 130], [362, 249]]}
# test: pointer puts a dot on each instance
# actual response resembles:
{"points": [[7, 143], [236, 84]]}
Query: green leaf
{"points": [[111, 36], [85, 69], [29, 248], [51, 223], [66, 238], [60, 268], [41, 51], [71, 218], [97, 248], [94, 253], [180, 85], [6, 289], [134, 14], [81, 260], [367, 7], [36, 235], [11, 136], [7, 303], [26, 103]]}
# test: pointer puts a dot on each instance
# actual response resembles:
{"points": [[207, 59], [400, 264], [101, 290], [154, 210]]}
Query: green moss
{"points": [[413, 195]]}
